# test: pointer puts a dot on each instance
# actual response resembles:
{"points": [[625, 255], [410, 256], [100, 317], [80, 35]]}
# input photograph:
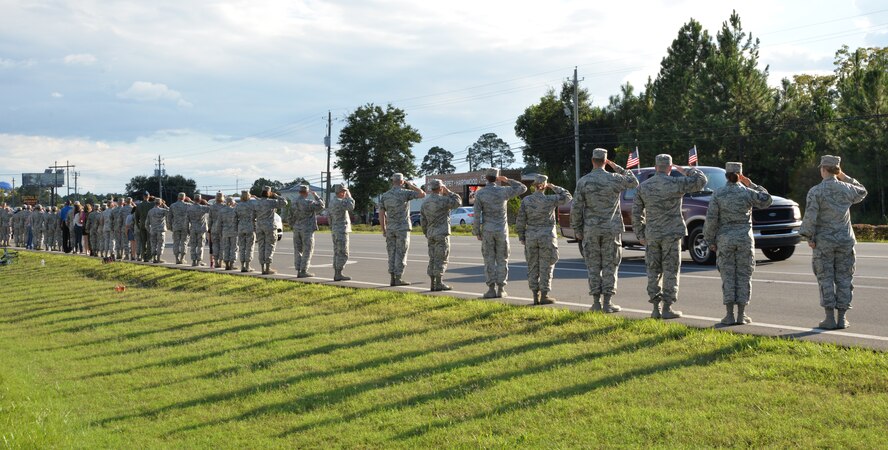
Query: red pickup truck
{"points": [[776, 228]]}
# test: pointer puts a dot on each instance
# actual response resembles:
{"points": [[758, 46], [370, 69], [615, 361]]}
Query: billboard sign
{"points": [[46, 179]]}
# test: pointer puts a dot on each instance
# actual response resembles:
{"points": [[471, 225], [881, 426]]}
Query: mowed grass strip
{"points": [[199, 360]]}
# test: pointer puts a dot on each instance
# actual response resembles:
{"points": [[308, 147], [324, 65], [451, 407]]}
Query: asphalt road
{"points": [[785, 299]]}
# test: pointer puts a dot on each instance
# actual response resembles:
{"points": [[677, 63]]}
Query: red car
{"points": [[775, 229]]}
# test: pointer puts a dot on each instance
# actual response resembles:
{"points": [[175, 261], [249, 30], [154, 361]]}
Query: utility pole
{"points": [[56, 167], [327, 141], [159, 177], [76, 174], [576, 118]]}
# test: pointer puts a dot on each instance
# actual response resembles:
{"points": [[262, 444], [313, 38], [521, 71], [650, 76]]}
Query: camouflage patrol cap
{"points": [[303, 188], [220, 194], [540, 179], [397, 176], [181, 195], [492, 173], [266, 188], [599, 153], [339, 188], [734, 167], [434, 184], [664, 160], [830, 161]]}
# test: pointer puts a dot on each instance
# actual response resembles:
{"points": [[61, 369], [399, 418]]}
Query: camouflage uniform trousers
{"points": [[180, 241], [662, 259], [107, 242], [834, 268], [5, 235], [495, 250], [57, 232], [266, 240], [541, 254], [122, 243], [736, 262], [157, 241], [603, 254], [216, 244], [340, 250], [439, 254], [229, 248], [50, 239], [245, 243], [38, 238], [397, 242], [196, 244], [303, 248]]}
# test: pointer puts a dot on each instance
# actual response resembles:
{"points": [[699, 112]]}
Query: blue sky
{"points": [[228, 91]]}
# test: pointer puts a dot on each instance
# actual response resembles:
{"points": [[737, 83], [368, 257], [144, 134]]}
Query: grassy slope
{"points": [[208, 360]]}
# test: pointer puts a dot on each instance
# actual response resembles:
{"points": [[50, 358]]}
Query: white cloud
{"points": [[84, 59], [144, 91], [56, 95], [6, 63]]}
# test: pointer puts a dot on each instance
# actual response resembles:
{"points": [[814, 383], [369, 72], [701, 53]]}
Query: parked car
{"points": [[414, 219], [775, 229], [279, 226], [464, 215], [324, 219]]}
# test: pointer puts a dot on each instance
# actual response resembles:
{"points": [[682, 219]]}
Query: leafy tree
{"points": [[256, 189], [489, 149], [436, 161], [374, 144], [863, 93], [172, 185], [297, 181]]}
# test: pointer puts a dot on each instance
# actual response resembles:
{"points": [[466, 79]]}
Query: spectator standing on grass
{"points": [[338, 212], [129, 225], [394, 220], [266, 231], [77, 216], [5, 224], [123, 211], [303, 221], [92, 225], [660, 227], [536, 231], [598, 223], [728, 231], [434, 217], [50, 225], [827, 227], [492, 229]]}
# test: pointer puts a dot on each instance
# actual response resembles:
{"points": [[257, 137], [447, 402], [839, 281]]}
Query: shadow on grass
{"points": [[354, 344], [83, 307], [576, 390], [464, 388]]}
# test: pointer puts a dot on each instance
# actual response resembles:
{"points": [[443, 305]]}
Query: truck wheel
{"points": [[699, 249], [778, 253]]}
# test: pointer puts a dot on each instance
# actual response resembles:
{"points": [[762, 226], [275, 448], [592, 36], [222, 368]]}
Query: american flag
{"points": [[692, 156], [633, 159]]}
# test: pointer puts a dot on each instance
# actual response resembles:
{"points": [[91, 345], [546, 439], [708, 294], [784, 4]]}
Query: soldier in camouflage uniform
{"points": [[159, 221], [246, 229], [227, 218], [124, 210], [492, 229], [435, 221], [598, 224], [304, 222], [48, 234], [179, 219], [340, 226], [216, 231], [827, 227], [198, 216], [37, 228], [266, 232], [107, 230], [93, 221], [394, 219], [728, 231], [536, 231], [5, 225], [660, 227]]}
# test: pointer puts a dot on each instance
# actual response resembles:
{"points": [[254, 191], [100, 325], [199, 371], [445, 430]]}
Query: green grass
{"points": [[195, 360]]}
